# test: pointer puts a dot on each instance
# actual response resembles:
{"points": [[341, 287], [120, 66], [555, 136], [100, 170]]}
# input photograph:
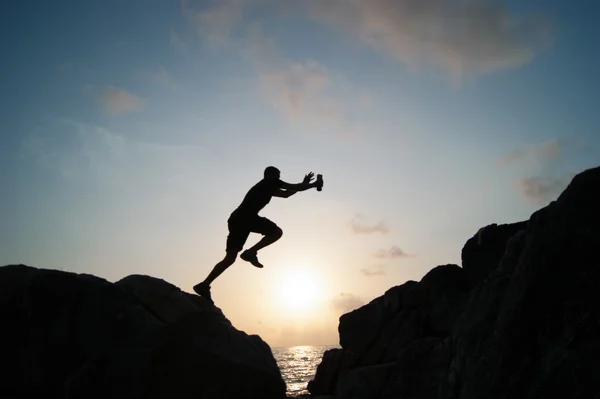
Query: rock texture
{"points": [[65, 335], [520, 319]]}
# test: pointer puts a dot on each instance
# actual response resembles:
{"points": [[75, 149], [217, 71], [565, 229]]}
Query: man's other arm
{"points": [[284, 193]]}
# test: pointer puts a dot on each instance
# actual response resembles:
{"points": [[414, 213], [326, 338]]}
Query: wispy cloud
{"points": [[160, 77], [302, 90], [543, 160], [464, 37], [540, 189], [359, 226], [392, 253], [215, 23], [116, 101], [298, 89], [377, 270], [547, 152], [345, 302]]}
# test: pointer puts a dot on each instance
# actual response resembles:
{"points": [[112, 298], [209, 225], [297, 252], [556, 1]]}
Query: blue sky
{"points": [[130, 130]]}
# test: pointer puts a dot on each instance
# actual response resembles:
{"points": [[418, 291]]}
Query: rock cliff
{"points": [[67, 335], [519, 319]]}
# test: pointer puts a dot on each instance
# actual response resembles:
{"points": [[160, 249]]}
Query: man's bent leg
{"points": [[271, 233], [267, 240]]}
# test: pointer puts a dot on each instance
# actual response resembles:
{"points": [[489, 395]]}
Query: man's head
{"points": [[271, 172]]}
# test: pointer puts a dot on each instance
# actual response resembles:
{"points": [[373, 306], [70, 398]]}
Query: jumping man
{"points": [[245, 220]]}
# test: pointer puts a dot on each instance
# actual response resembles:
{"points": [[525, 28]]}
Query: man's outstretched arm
{"points": [[288, 189]]}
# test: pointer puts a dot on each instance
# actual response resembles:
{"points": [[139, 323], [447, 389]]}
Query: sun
{"points": [[298, 289]]}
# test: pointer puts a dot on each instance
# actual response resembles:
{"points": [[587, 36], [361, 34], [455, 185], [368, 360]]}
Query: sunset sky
{"points": [[129, 131]]}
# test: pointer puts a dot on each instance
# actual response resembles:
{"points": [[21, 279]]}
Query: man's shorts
{"points": [[240, 227]]}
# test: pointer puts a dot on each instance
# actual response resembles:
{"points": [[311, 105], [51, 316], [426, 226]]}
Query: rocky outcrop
{"points": [[520, 319], [68, 335], [482, 253]]}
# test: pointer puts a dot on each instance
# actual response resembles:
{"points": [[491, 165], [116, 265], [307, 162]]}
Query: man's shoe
{"points": [[203, 290], [249, 256]]}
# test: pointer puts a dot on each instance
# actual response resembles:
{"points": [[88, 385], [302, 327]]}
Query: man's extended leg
{"points": [[220, 267], [203, 288]]}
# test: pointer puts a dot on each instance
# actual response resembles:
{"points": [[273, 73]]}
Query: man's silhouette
{"points": [[245, 220]]}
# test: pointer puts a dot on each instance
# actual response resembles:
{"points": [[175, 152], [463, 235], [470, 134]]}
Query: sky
{"points": [[130, 130]]}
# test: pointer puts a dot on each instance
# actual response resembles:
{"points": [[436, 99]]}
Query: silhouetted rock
{"points": [[66, 335], [521, 319], [482, 253], [327, 371]]}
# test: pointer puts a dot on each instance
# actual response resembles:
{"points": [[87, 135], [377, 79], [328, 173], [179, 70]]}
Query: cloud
{"points": [[299, 91], [540, 189], [358, 226], [393, 253], [215, 23], [373, 271], [160, 77], [302, 90], [116, 101], [345, 302], [464, 37], [545, 159], [545, 153]]}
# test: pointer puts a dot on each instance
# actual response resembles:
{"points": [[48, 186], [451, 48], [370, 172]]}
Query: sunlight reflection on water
{"points": [[298, 365]]}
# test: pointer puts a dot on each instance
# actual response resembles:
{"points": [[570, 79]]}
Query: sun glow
{"points": [[299, 289]]}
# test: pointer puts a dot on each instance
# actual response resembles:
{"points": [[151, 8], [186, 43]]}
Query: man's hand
{"points": [[308, 178], [305, 185]]}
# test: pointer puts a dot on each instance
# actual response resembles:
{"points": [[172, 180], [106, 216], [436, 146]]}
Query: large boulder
{"points": [[520, 319], [69, 335]]}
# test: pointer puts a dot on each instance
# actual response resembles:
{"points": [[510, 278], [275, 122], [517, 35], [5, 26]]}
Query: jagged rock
{"points": [[482, 253], [521, 319], [419, 370], [363, 382], [548, 307], [444, 290], [360, 327], [399, 297], [79, 336], [327, 373]]}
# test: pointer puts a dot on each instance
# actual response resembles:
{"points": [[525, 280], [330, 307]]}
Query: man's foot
{"points": [[203, 290], [249, 256]]}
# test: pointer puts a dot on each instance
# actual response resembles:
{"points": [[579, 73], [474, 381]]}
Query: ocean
{"points": [[298, 365]]}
